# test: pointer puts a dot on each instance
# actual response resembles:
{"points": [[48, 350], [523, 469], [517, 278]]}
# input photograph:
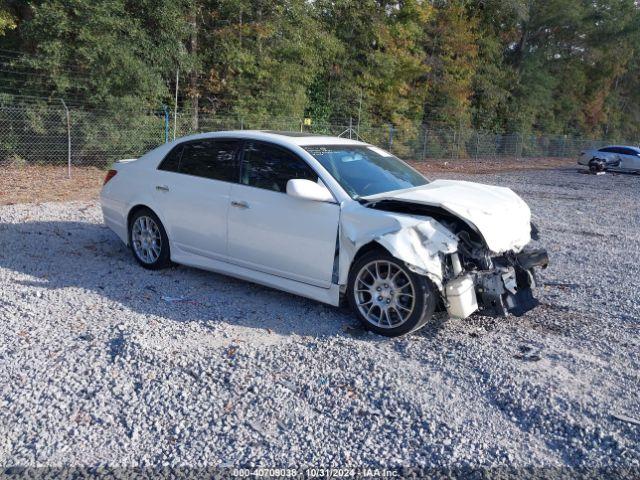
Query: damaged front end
{"points": [[456, 256], [506, 286], [493, 284], [597, 165]]}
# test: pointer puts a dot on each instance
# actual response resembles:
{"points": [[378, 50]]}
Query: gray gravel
{"points": [[97, 368]]}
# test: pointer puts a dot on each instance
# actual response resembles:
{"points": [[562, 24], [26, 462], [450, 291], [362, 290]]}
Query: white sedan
{"points": [[329, 219]]}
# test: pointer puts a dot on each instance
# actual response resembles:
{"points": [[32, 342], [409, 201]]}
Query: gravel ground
{"points": [[98, 369]]}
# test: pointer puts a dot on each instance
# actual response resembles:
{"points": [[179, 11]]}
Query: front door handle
{"points": [[162, 188], [239, 204]]}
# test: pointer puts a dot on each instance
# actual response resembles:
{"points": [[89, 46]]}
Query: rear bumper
{"points": [[509, 288], [112, 213]]}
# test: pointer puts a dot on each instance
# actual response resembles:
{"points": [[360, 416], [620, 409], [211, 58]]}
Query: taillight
{"points": [[110, 175]]}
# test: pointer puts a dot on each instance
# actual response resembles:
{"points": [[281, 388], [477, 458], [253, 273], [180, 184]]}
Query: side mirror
{"points": [[308, 190]]}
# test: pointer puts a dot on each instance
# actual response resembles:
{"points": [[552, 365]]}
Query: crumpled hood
{"points": [[501, 216]]}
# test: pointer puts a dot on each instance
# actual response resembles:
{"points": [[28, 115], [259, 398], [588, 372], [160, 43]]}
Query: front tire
{"points": [[148, 240], [388, 298], [597, 165]]}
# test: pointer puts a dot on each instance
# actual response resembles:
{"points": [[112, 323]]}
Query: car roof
{"points": [[637, 149], [281, 138]]}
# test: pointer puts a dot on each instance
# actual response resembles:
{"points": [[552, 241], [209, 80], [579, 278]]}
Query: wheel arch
{"points": [[164, 257], [134, 209], [366, 248], [378, 244], [426, 295], [144, 206], [371, 246], [375, 245]]}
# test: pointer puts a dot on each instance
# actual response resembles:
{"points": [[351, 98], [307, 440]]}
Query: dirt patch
{"points": [[38, 183], [489, 165]]}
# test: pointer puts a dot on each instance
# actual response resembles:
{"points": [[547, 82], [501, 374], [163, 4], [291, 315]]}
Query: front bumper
{"points": [[601, 164], [507, 288]]}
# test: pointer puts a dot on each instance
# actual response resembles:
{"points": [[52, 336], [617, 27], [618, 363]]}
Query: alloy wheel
{"points": [[146, 239], [384, 294]]}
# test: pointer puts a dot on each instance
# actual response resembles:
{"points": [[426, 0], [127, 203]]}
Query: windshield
{"points": [[364, 170]]}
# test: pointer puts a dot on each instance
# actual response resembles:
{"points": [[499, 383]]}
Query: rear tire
{"points": [[148, 240], [387, 297]]}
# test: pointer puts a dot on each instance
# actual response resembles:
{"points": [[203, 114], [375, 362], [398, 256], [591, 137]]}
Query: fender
{"points": [[116, 212], [420, 242]]}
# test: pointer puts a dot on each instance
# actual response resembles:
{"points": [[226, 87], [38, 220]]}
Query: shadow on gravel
{"points": [[89, 256]]}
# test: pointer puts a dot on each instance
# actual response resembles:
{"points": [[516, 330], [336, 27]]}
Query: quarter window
{"points": [[171, 162], [629, 151], [214, 159], [271, 167]]}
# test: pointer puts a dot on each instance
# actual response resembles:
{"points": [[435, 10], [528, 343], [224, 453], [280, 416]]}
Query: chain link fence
{"points": [[54, 136]]}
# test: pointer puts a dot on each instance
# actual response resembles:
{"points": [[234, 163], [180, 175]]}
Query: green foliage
{"points": [[260, 58], [453, 47], [530, 66], [378, 73], [107, 53], [7, 20], [569, 56]]}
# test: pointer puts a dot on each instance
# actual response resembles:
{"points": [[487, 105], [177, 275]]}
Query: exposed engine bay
{"points": [[474, 278]]}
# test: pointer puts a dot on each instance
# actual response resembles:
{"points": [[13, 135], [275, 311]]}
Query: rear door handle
{"points": [[239, 204], [162, 188]]}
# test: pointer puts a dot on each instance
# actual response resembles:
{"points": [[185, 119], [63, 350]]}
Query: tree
{"points": [[7, 18], [569, 55], [380, 66], [104, 54], [539, 66], [260, 57], [452, 45], [494, 78]]}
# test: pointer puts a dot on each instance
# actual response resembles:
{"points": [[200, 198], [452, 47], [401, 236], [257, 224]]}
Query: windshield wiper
{"points": [[366, 203]]}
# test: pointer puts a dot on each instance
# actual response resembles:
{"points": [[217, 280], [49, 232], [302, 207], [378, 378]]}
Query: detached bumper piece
{"points": [[508, 287], [533, 258]]}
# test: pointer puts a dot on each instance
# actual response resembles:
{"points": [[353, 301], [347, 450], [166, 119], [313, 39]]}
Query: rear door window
{"points": [[214, 159], [270, 167], [618, 150]]}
